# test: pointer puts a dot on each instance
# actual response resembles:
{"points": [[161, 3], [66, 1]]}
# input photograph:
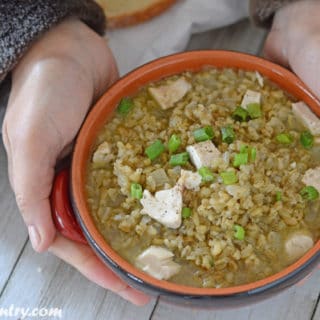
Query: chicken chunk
{"points": [[307, 117], [165, 206], [190, 180], [250, 97], [203, 154], [103, 153], [167, 95], [297, 245], [158, 262], [312, 178]]}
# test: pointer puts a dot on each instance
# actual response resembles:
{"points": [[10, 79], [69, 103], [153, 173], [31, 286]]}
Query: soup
{"points": [[208, 179]]}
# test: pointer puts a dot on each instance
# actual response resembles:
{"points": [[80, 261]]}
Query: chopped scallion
{"points": [[154, 150], [251, 151], [278, 196], [186, 212], [309, 193], [125, 106], [179, 159], [307, 139], [284, 138], [229, 177], [174, 143], [136, 190], [253, 154], [254, 110], [239, 232], [206, 174], [203, 134], [240, 159], [228, 134], [240, 114], [244, 149]]}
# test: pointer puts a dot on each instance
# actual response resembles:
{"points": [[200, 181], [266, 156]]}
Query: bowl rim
{"points": [[128, 85]]}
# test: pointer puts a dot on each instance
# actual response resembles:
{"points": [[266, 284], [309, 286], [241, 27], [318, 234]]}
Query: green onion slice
{"points": [[307, 139], [240, 159], [253, 154], [284, 138], [228, 134], [174, 143], [309, 193], [179, 159], [206, 174], [136, 190], [186, 212], [239, 232], [229, 177], [240, 114], [250, 151], [125, 106], [155, 150], [203, 134], [278, 196], [254, 110]]}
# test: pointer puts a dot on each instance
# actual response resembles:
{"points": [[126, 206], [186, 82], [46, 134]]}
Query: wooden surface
{"points": [[31, 280]]}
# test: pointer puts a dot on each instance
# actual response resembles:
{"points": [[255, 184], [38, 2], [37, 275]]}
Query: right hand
{"points": [[53, 86], [294, 41]]}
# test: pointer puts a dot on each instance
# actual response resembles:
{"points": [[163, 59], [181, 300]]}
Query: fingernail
{"points": [[34, 237]]}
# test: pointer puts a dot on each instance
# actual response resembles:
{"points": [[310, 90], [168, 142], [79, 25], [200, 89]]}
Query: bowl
{"points": [[70, 210]]}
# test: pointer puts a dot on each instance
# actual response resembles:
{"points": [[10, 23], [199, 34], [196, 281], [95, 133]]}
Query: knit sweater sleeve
{"points": [[23, 21], [262, 11]]}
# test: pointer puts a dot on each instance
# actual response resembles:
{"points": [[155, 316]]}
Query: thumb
{"points": [[31, 176], [275, 48]]}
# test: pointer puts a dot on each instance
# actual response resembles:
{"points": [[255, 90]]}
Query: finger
{"points": [[7, 147], [86, 262], [275, 48], [31, 171]]}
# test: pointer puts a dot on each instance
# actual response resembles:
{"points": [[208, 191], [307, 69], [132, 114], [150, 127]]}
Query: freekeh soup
{"points": [[208, 179]]}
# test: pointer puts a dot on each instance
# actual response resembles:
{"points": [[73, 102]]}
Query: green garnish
{"points": [[254, 110], [203, 134], [240, 114], [240, 159], [155, 150], [186, 212], [284, 138], [239, 232], [250, 151], [136, 190], [278, 196], [206, 174], [244, 149], [253, 154], [228, 134], [125, 106], [307, 139], [309, 193], [229, 177], [179, 159], [174, 143]]}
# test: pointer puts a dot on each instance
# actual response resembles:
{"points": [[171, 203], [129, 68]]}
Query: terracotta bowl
{"points": [[71, 213]]}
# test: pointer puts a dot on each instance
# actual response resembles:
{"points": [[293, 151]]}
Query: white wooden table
{"points": [[32, 280]]}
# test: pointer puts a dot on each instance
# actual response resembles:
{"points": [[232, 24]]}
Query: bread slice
{"points": [[122, 13]]}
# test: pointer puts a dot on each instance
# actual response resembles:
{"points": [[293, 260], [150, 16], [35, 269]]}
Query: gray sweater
{"points": [[23, 21]]}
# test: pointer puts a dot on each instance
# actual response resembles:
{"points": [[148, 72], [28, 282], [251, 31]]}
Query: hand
{"points": [[294, 41], [53, 86]]}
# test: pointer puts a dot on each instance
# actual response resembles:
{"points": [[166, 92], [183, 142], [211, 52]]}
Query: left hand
{"points": [[53, 86], [294, 41]]}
